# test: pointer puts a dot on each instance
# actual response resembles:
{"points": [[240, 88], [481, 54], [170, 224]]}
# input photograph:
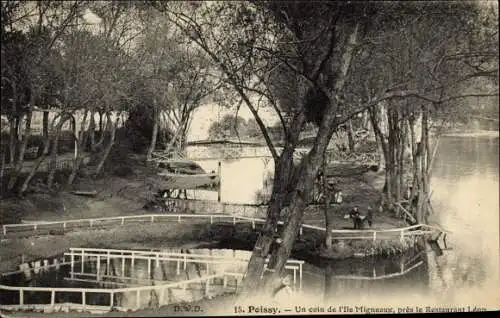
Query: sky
{"points": [[205, 115]]}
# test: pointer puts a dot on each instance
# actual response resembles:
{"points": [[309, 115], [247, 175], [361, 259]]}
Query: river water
{"points": [[465, 200]]}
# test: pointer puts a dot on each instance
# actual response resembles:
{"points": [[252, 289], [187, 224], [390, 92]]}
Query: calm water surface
{"points": [[465, 200]]}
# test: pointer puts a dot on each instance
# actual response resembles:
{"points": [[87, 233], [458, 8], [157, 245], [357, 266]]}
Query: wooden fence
{"points": [[405, 267], [98, 254], [90, 223], [112, 293]]}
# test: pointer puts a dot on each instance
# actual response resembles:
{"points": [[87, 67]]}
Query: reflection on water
{"points": [[465, 198], [465, 201], [240, 179]]}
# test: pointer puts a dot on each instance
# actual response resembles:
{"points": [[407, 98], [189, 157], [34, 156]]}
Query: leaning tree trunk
{"points": [[309, 167], [308, 170], [328, 217], [55, 148], [102, 132], [40, 159], [92, 132], [379, 138], [284, 172], [110, 144], [350, 136], [22, 148], [45, 131], [154, 134], [80, 149], [12, 140], [425, 166]]}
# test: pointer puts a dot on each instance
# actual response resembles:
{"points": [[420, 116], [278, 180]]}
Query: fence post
{"points": [[211, 219], [123, 220], [108, 263], [52, 297], [374, 236], [162, 296], [401, 236], [84, 301], [72, 264], [123, 265], [98, 267], [300, 231], [4, 229], [111, 300], [91, 221], [234, 220], [178, 267], [185, 262], [83, 259], [138, 298], [149, 268], [207, 286], [21, 296], [224, 283], [179, 218], [253, 225], [300, 276], [152, 218]]}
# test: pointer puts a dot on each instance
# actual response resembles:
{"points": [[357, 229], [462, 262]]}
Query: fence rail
{"points": [[410, 231], [162, 289], [405, 267], [181, 259]]}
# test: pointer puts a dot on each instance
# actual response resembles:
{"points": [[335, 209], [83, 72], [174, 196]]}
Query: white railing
{"points": [[181, 259], [111, 292], [415, 230], [405, 267]]}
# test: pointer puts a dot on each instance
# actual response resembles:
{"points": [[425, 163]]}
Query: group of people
{"points": [[359, 219]]}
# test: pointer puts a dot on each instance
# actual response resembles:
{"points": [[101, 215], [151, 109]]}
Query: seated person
{"points": [[283, 293], [359, 219]]}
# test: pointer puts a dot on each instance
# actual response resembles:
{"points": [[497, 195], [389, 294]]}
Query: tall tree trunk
{"points": [[102, 132], [12, 140], [45, 131], [55, 148], [22, 149], [41, 158], [379, 138], [92, 132], [283, 173], [328, 218], [81, 142], [110, 144], [154, 133], [310, 165], [101, 125], [426, 165], [350, 136]]}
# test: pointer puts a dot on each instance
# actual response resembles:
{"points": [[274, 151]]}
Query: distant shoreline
{"points": [[484, 133]]}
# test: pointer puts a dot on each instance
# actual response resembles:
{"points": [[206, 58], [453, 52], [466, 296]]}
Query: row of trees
{"points": [[325, 62], [90, 63], [406, 65]]}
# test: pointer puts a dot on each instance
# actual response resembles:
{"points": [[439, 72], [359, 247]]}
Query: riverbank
{"points": [[126, 194]]}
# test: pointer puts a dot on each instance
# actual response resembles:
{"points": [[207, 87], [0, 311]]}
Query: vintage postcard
{"points": [[239, 158]]}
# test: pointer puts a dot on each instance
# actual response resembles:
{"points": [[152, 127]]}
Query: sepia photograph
{"points": [[248, 158]]}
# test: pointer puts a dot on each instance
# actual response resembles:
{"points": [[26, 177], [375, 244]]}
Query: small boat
{"points": [[187, 181], [184, 174]]}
